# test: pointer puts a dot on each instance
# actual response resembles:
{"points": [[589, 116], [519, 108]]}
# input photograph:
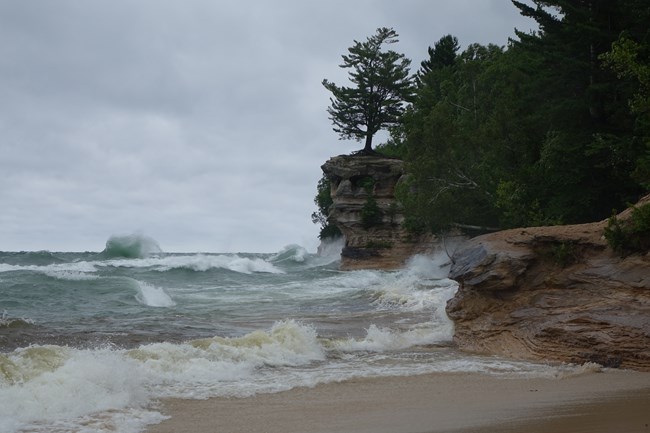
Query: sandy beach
{"points": [[594, 402]]}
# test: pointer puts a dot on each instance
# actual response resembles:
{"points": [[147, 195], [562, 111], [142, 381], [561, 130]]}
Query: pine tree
{"points": [[382, 86], [443, 53]]}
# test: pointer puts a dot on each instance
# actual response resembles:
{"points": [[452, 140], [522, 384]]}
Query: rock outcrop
{"points": [[367, 213], [553, 293]]}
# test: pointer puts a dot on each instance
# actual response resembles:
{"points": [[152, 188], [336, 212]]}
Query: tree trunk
{"points": [[368, 146]]}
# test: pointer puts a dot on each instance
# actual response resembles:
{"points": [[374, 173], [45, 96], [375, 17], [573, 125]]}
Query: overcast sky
{"points": [[200, 123]]}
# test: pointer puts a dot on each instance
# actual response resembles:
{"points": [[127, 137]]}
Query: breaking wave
{"points": [[56, 389], [291, 253], [200, 263], [152, 296], [68, 386], [12, 322], [131, 246]]}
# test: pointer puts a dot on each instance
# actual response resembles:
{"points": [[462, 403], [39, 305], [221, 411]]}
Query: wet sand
{"points": [[604, 402]]}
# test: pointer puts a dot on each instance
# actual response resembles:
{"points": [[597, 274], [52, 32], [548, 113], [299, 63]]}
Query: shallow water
{"points": [[90, 341]]}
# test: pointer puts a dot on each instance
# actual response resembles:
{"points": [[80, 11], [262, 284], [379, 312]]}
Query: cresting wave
{"points": [[152, 296], [223, 324], [131, 246], [63, 385], [140, 251], [193, 262], [198, 263], [113, 389]]}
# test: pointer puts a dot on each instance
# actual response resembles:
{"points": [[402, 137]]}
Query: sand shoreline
{"points": [[609, 401]]}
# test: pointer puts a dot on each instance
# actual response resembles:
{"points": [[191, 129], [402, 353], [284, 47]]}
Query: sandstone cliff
{"points": [[367, 213], [553, 293]]}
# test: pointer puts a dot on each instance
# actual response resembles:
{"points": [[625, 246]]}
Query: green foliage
{"points": [[442, 54], [518, 210], [379, 245], [539, 133], [393, 147], [552, 129], [381, 86], [367, 183], [626, 59], [323, 201], [631, 62], [561, 254], [631, 236], [371, 215], [329, 231]]}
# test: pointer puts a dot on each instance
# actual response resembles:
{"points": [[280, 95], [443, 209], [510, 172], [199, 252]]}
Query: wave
{"points": [[199, 263], [10, 322], [380, 339], [30, 257], [63, 271], [108, 389], [422, 285], [290, 253], [64, 385], [131, 246], [86, 270], [152, 296], [329, 251]]}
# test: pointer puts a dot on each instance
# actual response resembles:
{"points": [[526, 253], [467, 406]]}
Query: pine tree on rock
{"points": [[382, 86]]}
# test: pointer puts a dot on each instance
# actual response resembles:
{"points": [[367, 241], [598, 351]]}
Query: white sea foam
{"points": [[290, 253], [61, 389], [422, 285], [198, 262], [152, 296], [195, 262], [59, 385], [71, 275], [381, 339], [55, 270]]}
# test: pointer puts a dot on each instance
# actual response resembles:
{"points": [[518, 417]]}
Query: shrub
{"points": [[630, 236], [370, 213]]}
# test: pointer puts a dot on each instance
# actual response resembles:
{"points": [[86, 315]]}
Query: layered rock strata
{"points": [[368, 214], [553, 293]]}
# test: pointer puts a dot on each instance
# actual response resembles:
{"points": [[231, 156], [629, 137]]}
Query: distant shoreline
{"points": [[432, 403]]}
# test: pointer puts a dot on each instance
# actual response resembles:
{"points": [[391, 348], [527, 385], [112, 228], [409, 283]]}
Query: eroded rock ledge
{"points": [[384, 244], [553, 293]]}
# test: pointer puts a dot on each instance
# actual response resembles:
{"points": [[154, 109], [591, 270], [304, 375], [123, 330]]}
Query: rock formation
{"points": [[367, 213], [553, 293]]}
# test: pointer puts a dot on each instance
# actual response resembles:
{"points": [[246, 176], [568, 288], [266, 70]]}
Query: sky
{"points": [[199, 123]]}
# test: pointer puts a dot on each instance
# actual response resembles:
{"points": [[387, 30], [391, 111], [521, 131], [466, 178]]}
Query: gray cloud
{"points": [[200, 123]]}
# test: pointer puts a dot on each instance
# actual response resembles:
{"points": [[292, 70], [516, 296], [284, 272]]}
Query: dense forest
{"points": [[552, 129]]}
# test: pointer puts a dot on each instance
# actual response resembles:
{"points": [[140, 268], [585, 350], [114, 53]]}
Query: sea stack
{"points": [[368, 214]]}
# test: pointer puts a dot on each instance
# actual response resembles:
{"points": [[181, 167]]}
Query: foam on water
{"points": [[380, 339], [53, 388], [84, 270], [152, 296], [199, 263], [291, 253], [372, 323], [53, 270], [62, 385]]}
